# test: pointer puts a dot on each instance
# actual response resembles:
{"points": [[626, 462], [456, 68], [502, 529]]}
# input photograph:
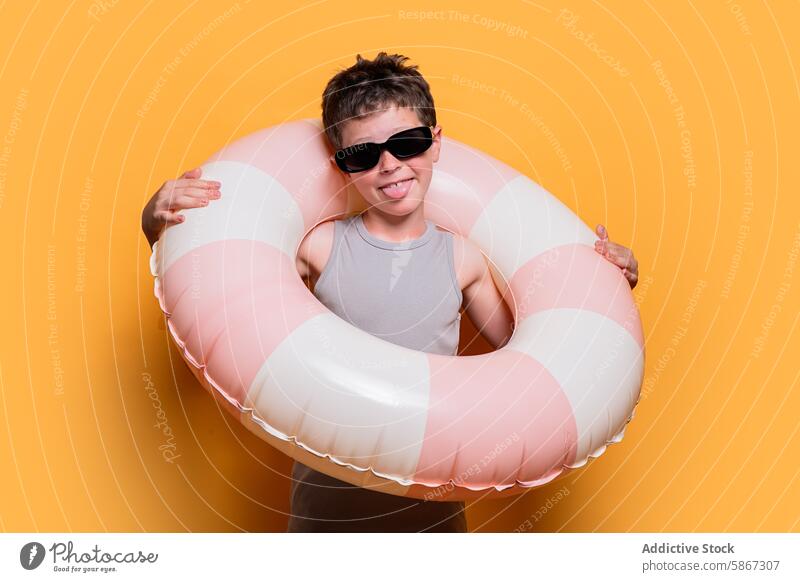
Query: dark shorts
{"points": [[320, 503]]}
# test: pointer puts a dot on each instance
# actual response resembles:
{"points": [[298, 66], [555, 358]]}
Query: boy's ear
{"points": [[437, 142], [338, 169]]}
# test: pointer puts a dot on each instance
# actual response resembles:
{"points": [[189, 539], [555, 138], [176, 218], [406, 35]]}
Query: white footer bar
{"points": [[388, 557]]}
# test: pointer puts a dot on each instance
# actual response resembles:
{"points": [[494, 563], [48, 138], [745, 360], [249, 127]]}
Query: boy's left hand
{"points": [[617, 254]]}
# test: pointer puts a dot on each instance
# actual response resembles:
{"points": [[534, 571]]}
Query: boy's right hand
{"points": [[188, 191]]}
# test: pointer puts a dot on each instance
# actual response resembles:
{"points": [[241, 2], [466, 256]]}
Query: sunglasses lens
{"points": [[357, 158], [410, 143]]}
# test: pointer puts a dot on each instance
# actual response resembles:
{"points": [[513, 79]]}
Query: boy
{"points": [[387, 270]]}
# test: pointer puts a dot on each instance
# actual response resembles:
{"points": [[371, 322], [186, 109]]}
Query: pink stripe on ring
{"points": [[569, 276], [495, 419], [233, 302]]}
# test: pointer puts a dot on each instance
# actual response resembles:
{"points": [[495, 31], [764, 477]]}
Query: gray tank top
{"points": [[406, 293]]}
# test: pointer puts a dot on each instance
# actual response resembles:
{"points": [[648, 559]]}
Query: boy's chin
{"points": [[399, 207]]}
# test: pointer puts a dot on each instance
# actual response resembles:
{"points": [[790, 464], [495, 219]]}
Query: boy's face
{"points": [[413, 173]]}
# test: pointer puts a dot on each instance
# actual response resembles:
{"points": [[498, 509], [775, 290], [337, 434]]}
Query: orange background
{"points": [[673, 123]]}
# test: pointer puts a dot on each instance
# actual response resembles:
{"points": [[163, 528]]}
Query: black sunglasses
{"points": [[363, 156]]}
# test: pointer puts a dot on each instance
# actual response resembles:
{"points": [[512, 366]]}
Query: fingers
{"points": [[188, 191], [617, 254], [191, 183], [606, 248], [620, 256], [179, 194], [197, 193], [632, 277], [168, 217], [181, 202]]}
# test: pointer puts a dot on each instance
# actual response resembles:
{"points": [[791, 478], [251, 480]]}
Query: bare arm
{"points": [[484, 302], [314, 252]]}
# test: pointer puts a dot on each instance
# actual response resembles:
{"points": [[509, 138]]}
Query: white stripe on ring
{"points": [[254, 206], [524, 220], [344, 392]]}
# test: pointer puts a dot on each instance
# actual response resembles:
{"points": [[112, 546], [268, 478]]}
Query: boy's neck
{"points": [[395, 228]]}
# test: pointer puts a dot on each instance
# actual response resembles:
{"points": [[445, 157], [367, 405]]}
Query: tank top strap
{"points": [[338, 234], [448, 239]]}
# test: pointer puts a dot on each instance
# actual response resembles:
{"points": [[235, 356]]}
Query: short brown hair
{"points": [[370, 86]]}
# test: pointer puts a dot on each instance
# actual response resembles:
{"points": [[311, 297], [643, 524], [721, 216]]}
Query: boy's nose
{"points": [[387, 162]]}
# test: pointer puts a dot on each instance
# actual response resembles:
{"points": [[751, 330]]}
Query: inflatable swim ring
{"points": [[379, 415]]}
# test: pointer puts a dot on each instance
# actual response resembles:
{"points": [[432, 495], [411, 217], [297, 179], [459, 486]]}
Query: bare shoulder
{"points": [[469, 261], [314, 251]]}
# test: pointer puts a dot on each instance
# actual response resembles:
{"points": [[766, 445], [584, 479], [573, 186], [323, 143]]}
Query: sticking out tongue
{"points": [[398, 190]]}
